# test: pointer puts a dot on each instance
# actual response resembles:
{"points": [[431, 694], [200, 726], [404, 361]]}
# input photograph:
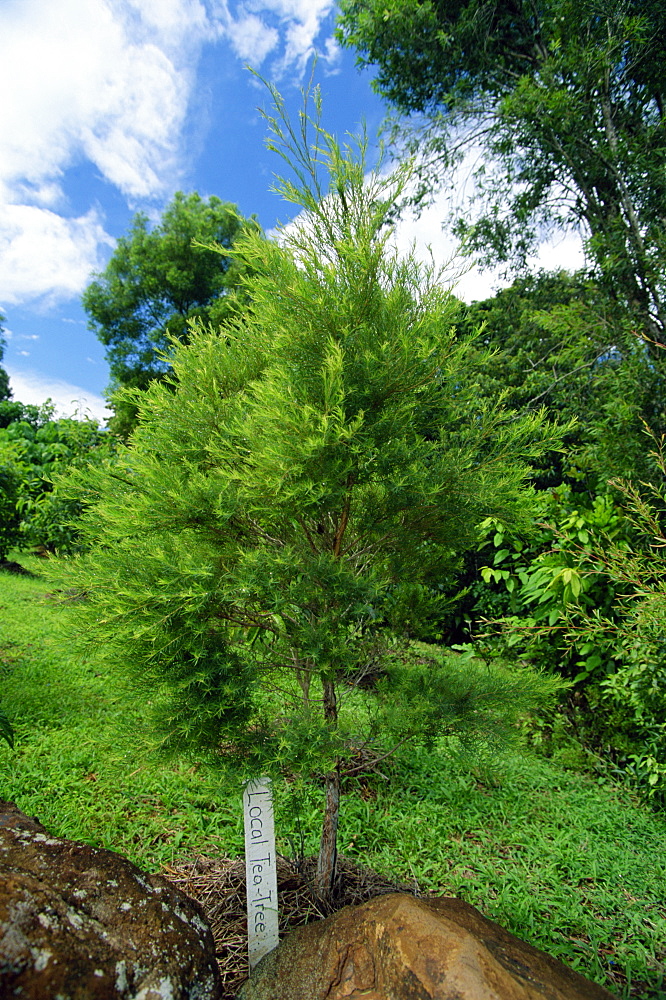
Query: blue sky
{"points": [[109, 107]]}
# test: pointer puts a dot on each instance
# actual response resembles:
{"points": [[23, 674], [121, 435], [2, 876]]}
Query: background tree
{"points": [[5, 391], [156, 282], [566, 99], [17, 479], [560, 343], [33, 414], [590, 602], [295, 494], [12, 477]]}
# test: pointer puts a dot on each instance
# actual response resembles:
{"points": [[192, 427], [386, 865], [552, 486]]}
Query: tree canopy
{"points": [[562, 343], [157, 281], [566, 98]]}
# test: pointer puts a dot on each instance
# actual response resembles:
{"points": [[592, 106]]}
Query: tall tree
{"points": [[156, 282], [567, 98], [5, 391], [293, 500]]}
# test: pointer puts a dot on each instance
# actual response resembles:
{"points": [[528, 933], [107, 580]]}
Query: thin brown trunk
{"points": [[303, 676], [328, 847]]}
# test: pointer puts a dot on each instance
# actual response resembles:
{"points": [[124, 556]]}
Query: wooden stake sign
{"points": [[260, 870]]}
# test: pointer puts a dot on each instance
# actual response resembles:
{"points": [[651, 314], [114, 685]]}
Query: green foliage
{"points": [[156, 282], [567, 101], [542, 574], [12, 412], [32, 452], [561, 343], [12, 478], [587, 599], [426, 691], [636, 690], [298, 474], [531, 573]]}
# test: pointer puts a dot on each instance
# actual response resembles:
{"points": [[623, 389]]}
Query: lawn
{"points": [[575, 867]]}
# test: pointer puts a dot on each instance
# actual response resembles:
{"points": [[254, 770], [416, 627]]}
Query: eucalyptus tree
{"points": [[295, 494], [567, 101]]}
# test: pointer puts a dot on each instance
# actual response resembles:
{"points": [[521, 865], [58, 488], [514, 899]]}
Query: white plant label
{"points": [[260, 870]]}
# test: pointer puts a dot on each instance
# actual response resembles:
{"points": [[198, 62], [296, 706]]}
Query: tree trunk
{"points": [[328, 847]]}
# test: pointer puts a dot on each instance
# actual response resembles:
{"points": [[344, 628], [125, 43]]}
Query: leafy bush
{"points": [[12, 412], [13, 477], [36, 449], [529, 574], [590, 602]]}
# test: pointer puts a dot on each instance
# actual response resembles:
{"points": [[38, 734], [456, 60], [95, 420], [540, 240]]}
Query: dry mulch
{"points": [[218, 884]]}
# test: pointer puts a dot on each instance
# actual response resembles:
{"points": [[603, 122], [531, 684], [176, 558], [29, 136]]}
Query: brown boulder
{"points": [[78, 922], [397, 947]]}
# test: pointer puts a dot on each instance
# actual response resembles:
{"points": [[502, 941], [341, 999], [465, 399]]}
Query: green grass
{"points": [[76, 764], [574, 867]]}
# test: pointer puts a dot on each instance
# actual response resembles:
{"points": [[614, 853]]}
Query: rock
{"points": [[77, 922], [397, 947]]}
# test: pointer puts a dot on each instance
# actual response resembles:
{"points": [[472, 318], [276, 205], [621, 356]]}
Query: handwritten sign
{"points": [[260, 870]]}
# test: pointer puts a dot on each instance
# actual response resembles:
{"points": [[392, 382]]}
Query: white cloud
{"points": [[109, 82], [290, 30], [302, 33], [44, 254], [173, 20], [98, 78], [251, 39], [70, 400], [106, 81]]}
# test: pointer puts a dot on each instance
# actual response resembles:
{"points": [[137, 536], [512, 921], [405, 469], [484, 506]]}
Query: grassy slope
{"points": [[575, 868]]}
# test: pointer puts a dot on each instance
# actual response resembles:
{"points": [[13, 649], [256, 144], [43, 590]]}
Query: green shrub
{"points": [[37, 449], [590, 603], [13, 478]]}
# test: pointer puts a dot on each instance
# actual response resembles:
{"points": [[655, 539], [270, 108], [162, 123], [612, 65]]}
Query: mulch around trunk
{"points": [[219, 885]]}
